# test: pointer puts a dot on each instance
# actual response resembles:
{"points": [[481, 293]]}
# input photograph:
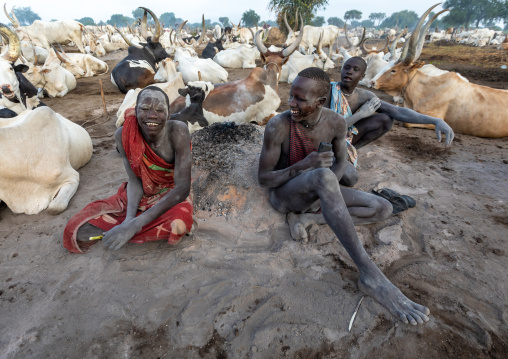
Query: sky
{"points": [[192, 10]]}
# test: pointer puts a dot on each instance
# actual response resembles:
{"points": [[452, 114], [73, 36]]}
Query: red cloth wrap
{"points": [[158, 179], [299, 144]]}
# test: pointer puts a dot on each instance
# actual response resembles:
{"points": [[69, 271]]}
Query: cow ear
{"points": [[417, 65], [21, 68], [284, 60], [176, 63], [46, 71], [263, 58]]}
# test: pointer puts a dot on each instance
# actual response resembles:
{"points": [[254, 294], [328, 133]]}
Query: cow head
{"points": [[199, 40], [9, 84], [166, 72], [322, 60], [397, 77], [66, 62]]}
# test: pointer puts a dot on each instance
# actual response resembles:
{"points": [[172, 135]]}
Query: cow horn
{"points": [[286, 22], [142, 26], [15, 23], [199, 76], [58, 55], [413, 41], [9, 16], [14, 49], [259, 43], [179, 35], [423, 33], [375, 51], [404, 51], [252, 32], [296, 21], [289, 50], [239, 24], [394, 43], [266, 33], [171, 34], [347, 38], [196, 44], [127, 40]]}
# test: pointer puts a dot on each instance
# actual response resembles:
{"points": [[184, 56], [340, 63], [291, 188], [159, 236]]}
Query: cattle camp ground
{"points": [[240, 287]]}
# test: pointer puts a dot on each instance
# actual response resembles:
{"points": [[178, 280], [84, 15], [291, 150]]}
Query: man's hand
{"points": [[116, 237], [442, 126], [369, 107], [319, 159]]}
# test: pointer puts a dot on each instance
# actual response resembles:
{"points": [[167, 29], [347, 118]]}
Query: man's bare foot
{"points": [[298, 224], [374, 283]]}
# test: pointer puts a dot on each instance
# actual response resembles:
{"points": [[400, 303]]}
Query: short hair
{"points": [[153, 88], [322, 87], [362, 61]]}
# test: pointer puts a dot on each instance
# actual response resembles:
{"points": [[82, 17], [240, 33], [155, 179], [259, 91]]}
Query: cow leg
{"points": [[64, 194]]}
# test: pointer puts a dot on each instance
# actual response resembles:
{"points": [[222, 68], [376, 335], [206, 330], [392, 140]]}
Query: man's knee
{"points": [[385, 121], [350, 177], [324, 178]]}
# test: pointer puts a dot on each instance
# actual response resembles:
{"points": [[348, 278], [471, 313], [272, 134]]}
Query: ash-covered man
{"points": [[367, 117], [154, 204], [300, 179]]}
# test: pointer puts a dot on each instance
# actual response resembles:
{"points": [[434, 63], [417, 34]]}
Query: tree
{"points": [[26, 16], [379, 16], [137, 13], [168, 18], [353, 15], [468, 12], [224, 20], [86, 21], [367, 24], [401, 19], [335, 21], [306, 10], [318, 21], [119, 20], [250, 18], [270, 23]]}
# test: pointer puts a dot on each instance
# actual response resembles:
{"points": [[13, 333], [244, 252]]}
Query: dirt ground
{"points": [[240, 287]]}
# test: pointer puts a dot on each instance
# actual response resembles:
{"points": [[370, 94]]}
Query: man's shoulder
{"points": [[364, 95], [281, 120], [178, 131]]}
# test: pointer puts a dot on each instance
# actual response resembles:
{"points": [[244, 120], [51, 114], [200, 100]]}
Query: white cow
{"points": [[53, 78], [191, 67], [243, 57], [41, 151], [27, 50], [46, 33]]}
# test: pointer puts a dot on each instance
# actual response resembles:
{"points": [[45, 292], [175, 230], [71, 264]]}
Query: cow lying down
{"points": [[40, 153]]}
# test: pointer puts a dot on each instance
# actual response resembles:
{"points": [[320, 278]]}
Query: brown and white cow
{"points": [[468, 108]]}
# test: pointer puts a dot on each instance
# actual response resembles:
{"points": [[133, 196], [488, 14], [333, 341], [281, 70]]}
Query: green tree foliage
{"points": [[119, 20], [353, 15], [472, 12], [401, 19], [377, 16], [26, 16], [318, 21], [306, 8], [138, 13], [269, 23], [224, 21], [367, 23], [86, 21], [168, 18], [250, 18], [336, 21]]}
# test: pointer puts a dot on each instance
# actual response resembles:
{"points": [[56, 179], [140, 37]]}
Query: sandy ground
{"points": [[240, 287]]}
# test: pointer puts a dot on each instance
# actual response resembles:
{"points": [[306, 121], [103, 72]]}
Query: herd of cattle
{"points": [[43, 174]]}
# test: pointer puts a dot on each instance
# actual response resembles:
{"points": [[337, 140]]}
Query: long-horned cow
{"points": [[16, 92], [468, 108], [137, 69], [46, 33]]}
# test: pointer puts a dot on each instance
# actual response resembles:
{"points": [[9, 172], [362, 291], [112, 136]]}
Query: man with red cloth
{"points": [[154, 204], [302, 180]]}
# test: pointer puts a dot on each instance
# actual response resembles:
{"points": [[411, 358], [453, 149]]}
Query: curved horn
{"points": [[393, 46], [14, 50], [170, 35], [58, 54], [16, 21], [362, 40], [266, 33], [259, 43], [252, 32], [157, 32], [375, 51], [404, 51], [286, 22], [296, 21], [196, 44], [345, 33], [9, 16], [289, 50], [127, 40], [142, 26], [179, 35], [423, 33], [413, 41]]}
